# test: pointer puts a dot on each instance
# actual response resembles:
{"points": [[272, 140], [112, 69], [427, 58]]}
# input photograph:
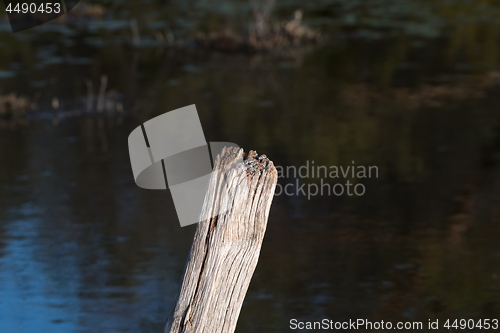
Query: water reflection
{"points": [[71, 250], [83, 247]]}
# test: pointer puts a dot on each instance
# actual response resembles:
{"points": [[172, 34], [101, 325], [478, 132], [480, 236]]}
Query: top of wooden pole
{"points": [[226, 247]]}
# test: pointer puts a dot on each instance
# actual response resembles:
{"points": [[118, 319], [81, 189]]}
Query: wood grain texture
{"points": [[225, 248]]}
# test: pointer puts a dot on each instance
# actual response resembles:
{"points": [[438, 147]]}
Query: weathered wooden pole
{"points": [[225, 248]]}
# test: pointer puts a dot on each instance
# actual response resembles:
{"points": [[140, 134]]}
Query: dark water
{"points": [[82, 249]]}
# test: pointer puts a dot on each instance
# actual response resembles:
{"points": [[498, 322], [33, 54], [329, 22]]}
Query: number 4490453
{"points": [[33, 8], [484, 324]]}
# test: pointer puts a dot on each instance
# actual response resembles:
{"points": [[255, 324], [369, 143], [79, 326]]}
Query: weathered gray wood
{"points": [[225, 248]]}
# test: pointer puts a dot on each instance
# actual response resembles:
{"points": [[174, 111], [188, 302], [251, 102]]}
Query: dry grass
{"points": [[12, 105]]}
